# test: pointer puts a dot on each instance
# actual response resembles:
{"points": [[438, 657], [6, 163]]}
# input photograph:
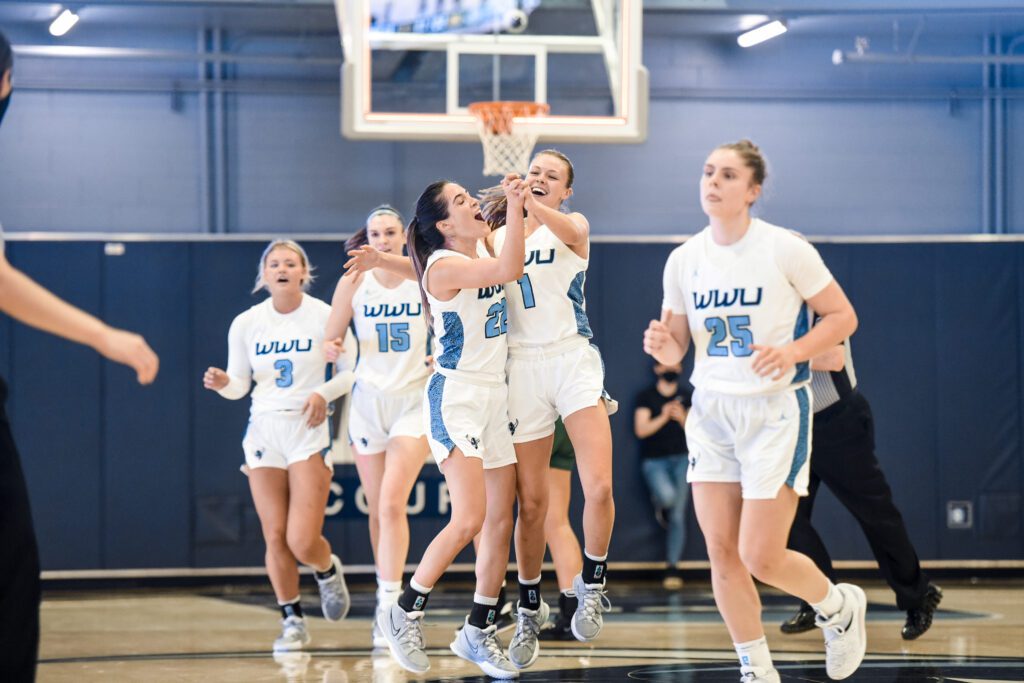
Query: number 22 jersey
{"points": [[750, 292]]}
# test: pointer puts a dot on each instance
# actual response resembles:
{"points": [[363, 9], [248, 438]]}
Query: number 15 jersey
{"points": [[734, 296]]}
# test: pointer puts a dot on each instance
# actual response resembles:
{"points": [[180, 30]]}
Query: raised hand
{"points": [[362, 259]]}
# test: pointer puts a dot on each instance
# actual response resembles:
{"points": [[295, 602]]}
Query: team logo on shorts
{"points": [[473, 441], [259, 454], [693, 460], [512, 426], [363, 440]]}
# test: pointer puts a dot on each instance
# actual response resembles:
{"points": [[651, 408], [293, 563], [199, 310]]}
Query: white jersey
{"points": [[546, 305], [283, 353], [392, 333], [470, 329], [750, 292]]}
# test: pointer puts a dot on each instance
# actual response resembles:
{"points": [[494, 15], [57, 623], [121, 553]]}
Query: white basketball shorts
{"points": [[762, 442]]}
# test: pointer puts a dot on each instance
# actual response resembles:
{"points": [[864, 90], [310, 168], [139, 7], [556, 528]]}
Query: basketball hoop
{"points": [[506, 148]]}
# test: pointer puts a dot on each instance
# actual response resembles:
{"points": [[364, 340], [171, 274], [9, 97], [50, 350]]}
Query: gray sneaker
{"points": [[593, 601], [294, 635], [845, 638], [481, 647], [404, 634], [334, 600], [524, 647]]}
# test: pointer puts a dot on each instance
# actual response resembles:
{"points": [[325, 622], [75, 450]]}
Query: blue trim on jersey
{"points": [[801, 451], [438, 432], [359, 351], [803, 370], [451, 341], [578, 302]]}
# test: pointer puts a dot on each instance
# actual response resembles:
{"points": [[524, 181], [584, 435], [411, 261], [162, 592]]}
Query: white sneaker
{"points": [[524, 648], [334, 600], [845, 638], [758, 674], [404, 633], [481, 647], [592, 602], [294, 635]]}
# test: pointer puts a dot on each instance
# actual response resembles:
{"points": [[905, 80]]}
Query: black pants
{"points": [[843, 457], [19, 565]]}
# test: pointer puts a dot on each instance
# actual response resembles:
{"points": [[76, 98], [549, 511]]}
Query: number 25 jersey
{"points": [[750, 292]]}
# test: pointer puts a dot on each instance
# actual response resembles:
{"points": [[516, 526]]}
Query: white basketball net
{"points": [[507, 147]]}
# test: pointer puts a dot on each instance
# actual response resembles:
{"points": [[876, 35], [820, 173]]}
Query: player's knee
{"points": [[303, 544], [722, 553], [761, 561], [467, 525], [274, 536], [390, 511], [532, 508], [599, 492]]}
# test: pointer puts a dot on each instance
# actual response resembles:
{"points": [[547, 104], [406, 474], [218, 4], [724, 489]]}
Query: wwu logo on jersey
{"points": [[388, 311], [536, 257], [488, 292], [294, 345], [717, 298]]}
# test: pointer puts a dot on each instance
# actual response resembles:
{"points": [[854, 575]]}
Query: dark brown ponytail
{"points": [[422, 238]]}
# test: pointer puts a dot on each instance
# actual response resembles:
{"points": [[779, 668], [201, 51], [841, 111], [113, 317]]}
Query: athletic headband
{"points": [[384, 208]]}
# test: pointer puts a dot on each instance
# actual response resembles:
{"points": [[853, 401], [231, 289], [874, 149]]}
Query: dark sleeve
{"points": [[643, 400], [686, 395]]}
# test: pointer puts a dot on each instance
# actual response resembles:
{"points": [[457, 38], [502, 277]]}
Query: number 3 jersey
{"points": [[392, 333], [546, 305], [283, 353], [734, 296], [469, 329]]}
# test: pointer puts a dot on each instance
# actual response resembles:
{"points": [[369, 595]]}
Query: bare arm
{"points": [[838, 321], [25, 300], [572, 228], [367, 258], [341, 306], [646, 424], [831, 360]]}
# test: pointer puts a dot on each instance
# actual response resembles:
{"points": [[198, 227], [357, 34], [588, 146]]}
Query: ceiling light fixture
{"points": [[63, 23], [762, 33]]}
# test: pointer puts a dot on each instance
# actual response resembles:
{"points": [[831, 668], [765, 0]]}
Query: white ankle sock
{"points": [[755, 653], [831, 603]]}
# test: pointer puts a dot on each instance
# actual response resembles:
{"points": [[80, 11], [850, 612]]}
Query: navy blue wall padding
{"points": [[124, 476]]}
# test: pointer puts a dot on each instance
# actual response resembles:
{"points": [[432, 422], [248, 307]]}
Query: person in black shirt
{"points": [[843, 447], [658, 422], [23, 299]]}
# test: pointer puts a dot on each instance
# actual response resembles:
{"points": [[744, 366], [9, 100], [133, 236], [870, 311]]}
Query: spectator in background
{"points": [[658, 422]]}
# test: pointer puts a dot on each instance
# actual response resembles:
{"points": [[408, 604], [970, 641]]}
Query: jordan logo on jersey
{"points": [[535, 257], [488, 292], [293, 345], [721, 298], [389, 311]]}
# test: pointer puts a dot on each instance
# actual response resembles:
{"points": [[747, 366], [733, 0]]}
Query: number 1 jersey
{"points": [[734, 296]]}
